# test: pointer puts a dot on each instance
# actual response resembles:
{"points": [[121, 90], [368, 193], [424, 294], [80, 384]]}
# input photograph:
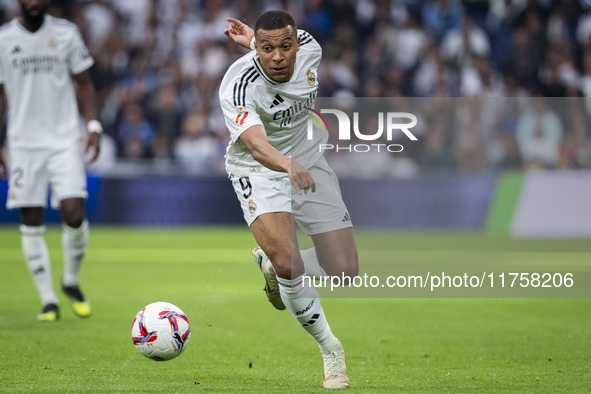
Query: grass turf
{"points": [[240, 343]]}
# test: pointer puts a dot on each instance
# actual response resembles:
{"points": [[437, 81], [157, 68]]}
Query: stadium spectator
{"points": [[539, 135], [525, 56], [432, 77], [505, 155], [136, 134], [407, 46], [502, 149], [575, 151], [43, 70], [197, 150], [468, 140], [461, 44], [481, 79], [435, 150], [165, 114], [441, 16], [318, 20]]}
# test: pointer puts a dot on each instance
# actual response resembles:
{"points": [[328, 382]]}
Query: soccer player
{"points": [[41, 59], [264, 97]]}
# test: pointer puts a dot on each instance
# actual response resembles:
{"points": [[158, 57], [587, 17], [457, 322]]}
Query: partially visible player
{"points": [[43, 63], [264, 97]]}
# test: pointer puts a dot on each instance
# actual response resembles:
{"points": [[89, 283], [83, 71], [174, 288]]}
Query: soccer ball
{"points": [[160, 331]]}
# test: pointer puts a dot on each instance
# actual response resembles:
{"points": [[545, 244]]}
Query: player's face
{"points": [[34, 9], [277, 52]]}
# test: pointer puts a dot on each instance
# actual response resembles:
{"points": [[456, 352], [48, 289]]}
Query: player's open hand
{"points": [[239, 32], [93, 147], [301, 178]]}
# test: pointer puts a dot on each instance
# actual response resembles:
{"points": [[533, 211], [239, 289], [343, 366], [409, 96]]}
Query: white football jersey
{"points": [[249, 97], [36, 69]]}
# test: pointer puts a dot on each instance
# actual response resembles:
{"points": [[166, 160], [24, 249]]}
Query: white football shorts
{"points": [[315, 213], [33, 171]]}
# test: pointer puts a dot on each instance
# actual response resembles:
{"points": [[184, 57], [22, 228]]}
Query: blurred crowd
{"points": [[159, 64]]}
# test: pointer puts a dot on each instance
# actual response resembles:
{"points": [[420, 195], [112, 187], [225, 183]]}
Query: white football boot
{"points": [[335, 369], [271, 284]]}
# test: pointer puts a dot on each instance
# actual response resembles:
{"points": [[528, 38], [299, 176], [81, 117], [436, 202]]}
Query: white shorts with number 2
{"points": [[33, 171]]}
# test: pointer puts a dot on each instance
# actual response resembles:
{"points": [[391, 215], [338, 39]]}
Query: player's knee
{"points": [[351, 271], [283, 270], [32, 216], [282, 264], [74, 219], [350, 262], [72, 210], [342, 264], [352, 266]]}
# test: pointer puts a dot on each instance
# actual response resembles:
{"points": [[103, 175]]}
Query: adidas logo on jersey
{"points": [[347, 218], [277, 100], [16, 50]]}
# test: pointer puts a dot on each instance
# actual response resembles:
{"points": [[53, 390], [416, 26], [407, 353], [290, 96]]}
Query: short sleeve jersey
{"points": [[36, 69], [249, 97]]}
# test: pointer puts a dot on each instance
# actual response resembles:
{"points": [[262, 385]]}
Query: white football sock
{"points": [[74, 245], [304, 305], [37, 258], [313, 268]]}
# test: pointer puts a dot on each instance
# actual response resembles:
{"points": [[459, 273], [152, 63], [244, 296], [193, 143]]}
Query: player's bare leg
{"points": [[337, 252], [275, 234], [37, 257], [72, 210], [74, 240]]}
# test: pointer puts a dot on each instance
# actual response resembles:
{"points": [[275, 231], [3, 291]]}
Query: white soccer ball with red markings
{"points": [[160, 331]]}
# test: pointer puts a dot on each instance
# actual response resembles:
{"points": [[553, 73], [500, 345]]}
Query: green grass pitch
{"points": [[240, 343]]}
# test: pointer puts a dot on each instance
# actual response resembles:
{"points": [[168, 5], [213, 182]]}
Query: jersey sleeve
{"points": [[78, 57], [309, 43], [239, 109]]}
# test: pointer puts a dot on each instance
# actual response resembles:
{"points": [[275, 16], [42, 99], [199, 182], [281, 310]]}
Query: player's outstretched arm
{"points": [[255, 140], [85, 94], [3, 170], [239, 32]]}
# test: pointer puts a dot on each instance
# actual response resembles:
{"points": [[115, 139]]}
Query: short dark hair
{"points": [[275, 20]]}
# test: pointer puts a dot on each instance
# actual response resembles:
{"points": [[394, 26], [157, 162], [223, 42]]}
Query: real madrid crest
{"points": [[311, 77], [252, 207], [52, 43]]}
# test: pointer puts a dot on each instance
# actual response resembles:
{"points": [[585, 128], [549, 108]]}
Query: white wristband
{"points": [[252, 43], [94, 126]]}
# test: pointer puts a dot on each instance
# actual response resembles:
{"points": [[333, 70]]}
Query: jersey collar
{"points": [[259, 68], [41, 28]]}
